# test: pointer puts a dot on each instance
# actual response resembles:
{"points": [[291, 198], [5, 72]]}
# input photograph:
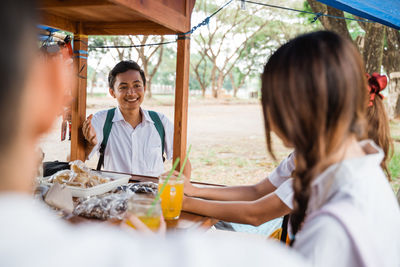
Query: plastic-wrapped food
{"points": [[86, 176], [79, 176], [103, 207], [64, 177], [140, 188], [112, 205]]}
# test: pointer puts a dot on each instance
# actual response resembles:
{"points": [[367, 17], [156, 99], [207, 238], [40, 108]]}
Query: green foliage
{"points": [[394, 165], [309, 18], [353, 26], [394, 169], [165, 74]]}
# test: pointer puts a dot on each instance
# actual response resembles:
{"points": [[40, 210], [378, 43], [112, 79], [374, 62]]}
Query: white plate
{"points": [[116, 180]]}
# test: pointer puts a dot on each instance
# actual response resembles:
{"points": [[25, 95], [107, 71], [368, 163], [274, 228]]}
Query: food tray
{"points": [[117, 179]]}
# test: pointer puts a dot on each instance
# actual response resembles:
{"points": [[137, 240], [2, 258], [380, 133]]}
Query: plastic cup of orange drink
{"points": [[171, 197], [146, 210]]}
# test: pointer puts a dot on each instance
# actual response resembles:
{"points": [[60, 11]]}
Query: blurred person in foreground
{"points": [[31, 95]]}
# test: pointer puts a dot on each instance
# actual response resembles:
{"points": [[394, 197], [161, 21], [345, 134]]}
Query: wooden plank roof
{"points": [[118, 17]]}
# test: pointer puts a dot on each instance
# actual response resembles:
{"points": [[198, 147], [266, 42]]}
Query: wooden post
{"points": [[79, 94], [181, 98]]}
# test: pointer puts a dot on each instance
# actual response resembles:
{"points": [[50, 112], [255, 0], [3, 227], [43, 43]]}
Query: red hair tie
{"points": [[376, 83]]}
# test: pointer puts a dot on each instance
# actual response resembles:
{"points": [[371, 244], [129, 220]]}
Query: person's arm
{"points": [[236, 193], [249, 212], [187, 171], [245, 193]]}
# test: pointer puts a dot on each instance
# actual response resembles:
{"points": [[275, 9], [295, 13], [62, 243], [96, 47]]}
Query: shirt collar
{"points": [[146, 116], [119, 117], [334, 178]]}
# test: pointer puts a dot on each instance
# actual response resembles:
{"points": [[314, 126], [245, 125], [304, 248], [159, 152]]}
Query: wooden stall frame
{"points": [[158, 19]]}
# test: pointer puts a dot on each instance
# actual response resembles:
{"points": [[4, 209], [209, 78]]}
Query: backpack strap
{"points": [[350, 219], [160, 129], [106, 133], [285, 224]]}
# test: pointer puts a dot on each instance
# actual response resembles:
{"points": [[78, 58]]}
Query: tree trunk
{"points": [[373, 47], [203, 90], [337, 25], [235, 88], [391, 63], [92, 81], [218, 85], [213, 85], [148, 89]]}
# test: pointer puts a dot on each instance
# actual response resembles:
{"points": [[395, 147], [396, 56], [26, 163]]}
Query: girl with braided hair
{"points": [[314, 99], [260, 204]]}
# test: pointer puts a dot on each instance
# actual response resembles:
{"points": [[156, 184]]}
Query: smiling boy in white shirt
{"points": [[134, 143]]}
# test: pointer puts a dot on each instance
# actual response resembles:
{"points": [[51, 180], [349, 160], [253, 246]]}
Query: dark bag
{"points": [[51, 167]]}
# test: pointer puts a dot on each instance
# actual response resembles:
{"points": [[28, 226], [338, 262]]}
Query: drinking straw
{"points": [[153, 205], [184, 162], [167, 179]]}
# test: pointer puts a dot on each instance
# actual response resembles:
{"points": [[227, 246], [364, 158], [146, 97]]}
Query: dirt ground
{"points": [[227, 138]]}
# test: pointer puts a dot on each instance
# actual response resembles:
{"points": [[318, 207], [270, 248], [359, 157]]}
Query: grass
{"points": [[394, 168], [394, 164]]}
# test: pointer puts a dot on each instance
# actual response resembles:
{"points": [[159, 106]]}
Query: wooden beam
{"points": [[79, 95], [125, 28], [181, 99], [57, 22], [43, 4], [159, 13]]}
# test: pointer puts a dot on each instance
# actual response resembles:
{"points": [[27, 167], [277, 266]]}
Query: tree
{"points": [[145, 55], [95, 58], [149, 57], [237, 43], [200, 67], [379, 46], [223, 43]]}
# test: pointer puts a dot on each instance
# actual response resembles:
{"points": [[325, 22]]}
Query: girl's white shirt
{"points": [[370, 224]]}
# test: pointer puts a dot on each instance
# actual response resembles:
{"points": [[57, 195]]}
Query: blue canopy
{"points": [[386, 12]]}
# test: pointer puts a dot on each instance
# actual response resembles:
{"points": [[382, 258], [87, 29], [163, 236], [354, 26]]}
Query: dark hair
{"points": [[379, 131], [18, 22], [313, 95], [122, 67]]}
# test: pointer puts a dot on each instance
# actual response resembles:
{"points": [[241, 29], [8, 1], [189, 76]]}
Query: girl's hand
{"points": [[188, 188]]}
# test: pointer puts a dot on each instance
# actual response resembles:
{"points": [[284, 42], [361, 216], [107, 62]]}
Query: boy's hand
{"points": [[89, 132]]}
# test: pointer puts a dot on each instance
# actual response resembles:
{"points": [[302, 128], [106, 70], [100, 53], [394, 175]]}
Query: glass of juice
{"points": [[171, 197], [143, 208]]}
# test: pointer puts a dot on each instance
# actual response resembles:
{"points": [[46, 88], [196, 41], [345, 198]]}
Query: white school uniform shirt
{"points": [[30, 235], [133, 150], [353, 218], [280, 177]]}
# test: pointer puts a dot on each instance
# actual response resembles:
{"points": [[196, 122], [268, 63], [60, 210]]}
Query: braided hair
{"points": [[313, 98]]}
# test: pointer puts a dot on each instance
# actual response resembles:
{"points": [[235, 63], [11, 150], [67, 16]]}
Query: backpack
{"points": [[281, 233], [107, 129]]}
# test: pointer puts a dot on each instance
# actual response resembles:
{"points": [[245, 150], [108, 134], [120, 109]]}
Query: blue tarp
{"points": [[386, 12], [42, 36]]}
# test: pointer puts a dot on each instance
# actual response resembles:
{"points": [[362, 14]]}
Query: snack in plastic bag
{"points": [[140, 188], [79, 175], [103, 207], [63, 177], [86, 176]]}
